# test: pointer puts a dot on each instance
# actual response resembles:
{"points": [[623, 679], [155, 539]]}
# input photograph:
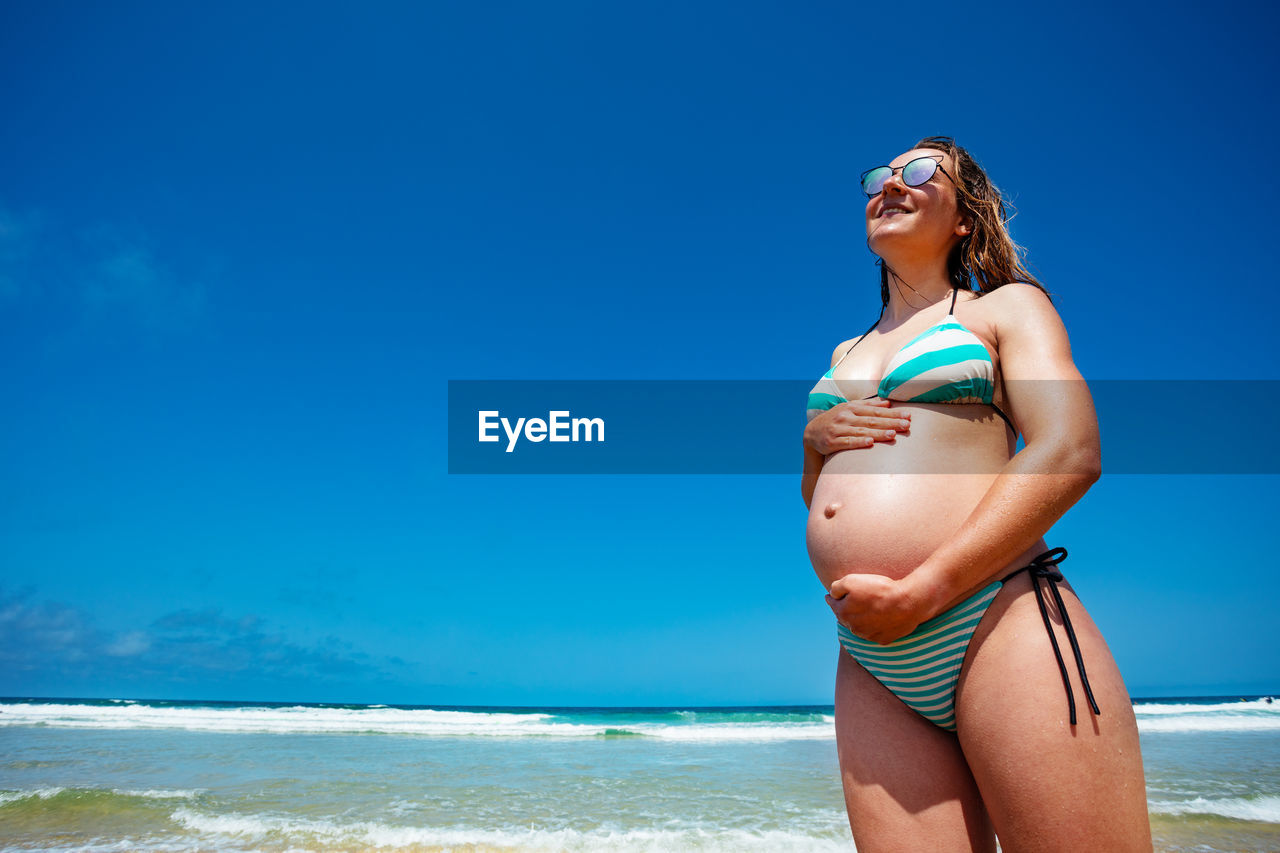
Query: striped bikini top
{"points": [[945, 363]]}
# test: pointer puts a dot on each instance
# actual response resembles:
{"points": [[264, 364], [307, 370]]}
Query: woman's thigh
{"points": [[906, 783], [1048, 785]]}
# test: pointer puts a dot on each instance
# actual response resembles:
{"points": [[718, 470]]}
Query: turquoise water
{"points": [[124, 775]]}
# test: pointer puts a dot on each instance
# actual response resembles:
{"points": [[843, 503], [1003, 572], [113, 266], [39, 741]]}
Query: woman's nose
{"points": [[895, 182]]}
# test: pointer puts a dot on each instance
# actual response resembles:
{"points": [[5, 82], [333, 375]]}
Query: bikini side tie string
{"points": [[1044, 566]]}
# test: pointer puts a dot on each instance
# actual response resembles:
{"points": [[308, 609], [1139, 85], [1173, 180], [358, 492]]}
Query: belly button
{"points": [[832, 509]]}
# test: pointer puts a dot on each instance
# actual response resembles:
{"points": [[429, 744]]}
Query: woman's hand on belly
{"points": [[854, 424], [877, 608]]}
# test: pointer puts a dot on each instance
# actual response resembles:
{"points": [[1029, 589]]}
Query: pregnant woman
{"points": [[975, 697]]}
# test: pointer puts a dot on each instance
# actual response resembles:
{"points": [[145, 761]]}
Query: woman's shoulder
{"points": [[842, 348], [1016, 299], [1022, 317], [1016, 290]]}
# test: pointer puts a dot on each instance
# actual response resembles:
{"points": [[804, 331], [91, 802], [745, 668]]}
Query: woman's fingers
{"points": [[843, 437], [874, 607], [860, 423], [866, 414], [870, 402], [834, 604]]}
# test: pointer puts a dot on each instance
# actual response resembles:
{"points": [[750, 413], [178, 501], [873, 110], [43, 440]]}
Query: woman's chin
{"points": [[887, 230], [895, 243]]}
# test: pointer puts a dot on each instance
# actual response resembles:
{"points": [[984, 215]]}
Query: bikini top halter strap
{"points": [[955, 291]]}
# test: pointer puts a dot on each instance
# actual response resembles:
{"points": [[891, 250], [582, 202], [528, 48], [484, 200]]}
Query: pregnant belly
{"points": [[885, 509], [886, 524]]}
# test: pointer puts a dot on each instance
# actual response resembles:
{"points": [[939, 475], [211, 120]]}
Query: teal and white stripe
{"points": [[945, 364], [923, 667], [826, 394]]}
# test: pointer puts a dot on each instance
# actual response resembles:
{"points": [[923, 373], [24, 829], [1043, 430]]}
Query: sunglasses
{"points": [[915, 173]]}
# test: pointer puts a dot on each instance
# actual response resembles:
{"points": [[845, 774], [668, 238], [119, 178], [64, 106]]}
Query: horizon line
{"points": [[551, 707]]}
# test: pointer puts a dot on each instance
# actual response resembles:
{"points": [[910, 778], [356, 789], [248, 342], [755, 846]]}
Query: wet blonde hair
{"points": [[987, 256]]}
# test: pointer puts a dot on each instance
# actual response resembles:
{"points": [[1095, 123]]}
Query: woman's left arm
{"points": [[1060, 461]]}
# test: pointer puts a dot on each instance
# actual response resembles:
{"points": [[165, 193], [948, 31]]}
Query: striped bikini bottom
{"points": [[922, 668]]}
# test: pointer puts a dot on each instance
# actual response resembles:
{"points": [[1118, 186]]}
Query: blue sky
{"points": [[243, 249]]}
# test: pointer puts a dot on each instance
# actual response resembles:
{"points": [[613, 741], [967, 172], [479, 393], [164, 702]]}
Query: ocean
{"points": [[133, 775]]}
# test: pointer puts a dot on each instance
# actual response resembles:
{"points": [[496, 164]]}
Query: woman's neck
{"points": [[912, 289]]}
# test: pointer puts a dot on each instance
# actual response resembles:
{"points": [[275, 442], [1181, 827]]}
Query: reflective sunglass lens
{"points": [[919, 171], [873, 182]]}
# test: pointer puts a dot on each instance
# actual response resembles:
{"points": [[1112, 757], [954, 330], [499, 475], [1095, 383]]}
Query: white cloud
{"points": [[129, 644], [102, 273], [130, 280], [62, 641]]}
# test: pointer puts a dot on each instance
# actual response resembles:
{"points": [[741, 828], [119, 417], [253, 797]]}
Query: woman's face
{"points": [[923, 219]]}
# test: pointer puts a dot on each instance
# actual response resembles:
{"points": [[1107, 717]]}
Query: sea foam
{"points": [[301, 719], [685, 726], [242, 828], [42, 793], [1262, 808], [1240, 716]]}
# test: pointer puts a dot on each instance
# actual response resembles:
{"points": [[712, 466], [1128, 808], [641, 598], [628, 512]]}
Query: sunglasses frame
{"points": [[937, 162]]}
